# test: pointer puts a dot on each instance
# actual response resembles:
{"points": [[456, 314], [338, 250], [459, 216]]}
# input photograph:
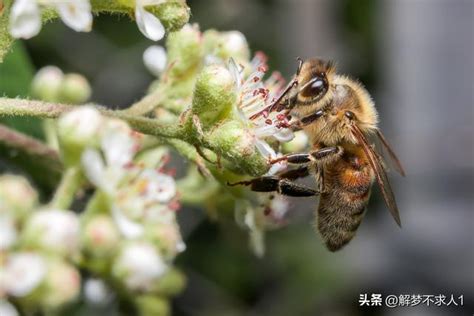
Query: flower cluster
{"points": [[37, 248], [228, 90], [26, 15], [128, 232]]}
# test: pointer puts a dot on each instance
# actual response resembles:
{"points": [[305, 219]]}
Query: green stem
{"points": [[5, 38], [188, 133], [147, 104], [65, 193], [29, 108]]}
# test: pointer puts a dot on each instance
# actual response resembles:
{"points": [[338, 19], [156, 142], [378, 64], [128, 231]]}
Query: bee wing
{"points": [[380, 174], [393, 156]]}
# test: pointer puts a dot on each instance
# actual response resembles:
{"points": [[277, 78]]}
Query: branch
{"points": [[32, 155], [29, 108], [243, 160]]}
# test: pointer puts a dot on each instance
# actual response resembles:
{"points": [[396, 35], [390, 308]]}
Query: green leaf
{"points": [[16, 74]]}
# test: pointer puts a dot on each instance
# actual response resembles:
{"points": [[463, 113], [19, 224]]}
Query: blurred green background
{"points": [[414, 56]]}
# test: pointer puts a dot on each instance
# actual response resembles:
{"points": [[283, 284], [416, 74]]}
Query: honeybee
{"points": [[339, 116]]}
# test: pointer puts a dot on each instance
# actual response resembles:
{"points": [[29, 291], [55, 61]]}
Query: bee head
{"points": [[314, 81]]}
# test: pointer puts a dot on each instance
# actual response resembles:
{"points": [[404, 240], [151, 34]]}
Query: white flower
{"points": [[7, 309], [97, 292], [8, 233], [136, 193], [23, 272], [62, 284], [140, 266], [101, 236], [81, 126], [154, 59], [25, 16], [235, 43], [254, 95], [269, 214], [147, 22], [54, 230], [25, 19], [17, 196]]}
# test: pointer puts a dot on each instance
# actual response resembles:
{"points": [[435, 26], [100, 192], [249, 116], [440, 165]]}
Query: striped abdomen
{"points": [[347, 185]]}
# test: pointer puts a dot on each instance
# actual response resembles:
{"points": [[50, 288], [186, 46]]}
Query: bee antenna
{"points": [[300, 65]]}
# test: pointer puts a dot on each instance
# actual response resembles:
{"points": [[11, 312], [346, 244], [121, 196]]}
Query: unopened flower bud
{"points": [[166, 237], [184, 50], [232, 140], [78, 129], [154, 58], [139, 266], [62, 285], [214, 95], [47, 83], [100, 236], [171, 283], [233, 45], [17, 196], [152, 305], [22, 274], [172, 14], [8, 232], [97, 292], [297, 144], [75, 89], [54, 231]]}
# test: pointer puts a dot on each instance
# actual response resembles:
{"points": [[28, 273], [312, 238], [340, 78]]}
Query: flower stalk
{"points": [[70, 183]]}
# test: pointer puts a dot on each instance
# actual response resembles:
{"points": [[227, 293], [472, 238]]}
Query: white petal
{"points": [[279, 206], [141, 265], [160, 187], [180, 246], [117, 144], [25, 19], [7, 309], [58, 230], [97, 292], [276, 167], [23, 273], [76, 14], [284, 135], [235, 72], [154, 59], [8, 233], [149, 24], [94, 168], [235, 42], [128, 228], [265, 131], [265, 149]]}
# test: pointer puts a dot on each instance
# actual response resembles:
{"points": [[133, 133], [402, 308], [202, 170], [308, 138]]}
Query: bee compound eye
{"points": [[350, 115], [317, 86]]}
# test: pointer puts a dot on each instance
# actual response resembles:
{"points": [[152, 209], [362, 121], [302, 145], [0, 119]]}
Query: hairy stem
{"points": [[29, 108], [147, 104]]}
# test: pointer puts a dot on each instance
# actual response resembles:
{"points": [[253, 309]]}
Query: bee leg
{"points": [[312, 156], [306, 120], [276, 184], [294, 174]]}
